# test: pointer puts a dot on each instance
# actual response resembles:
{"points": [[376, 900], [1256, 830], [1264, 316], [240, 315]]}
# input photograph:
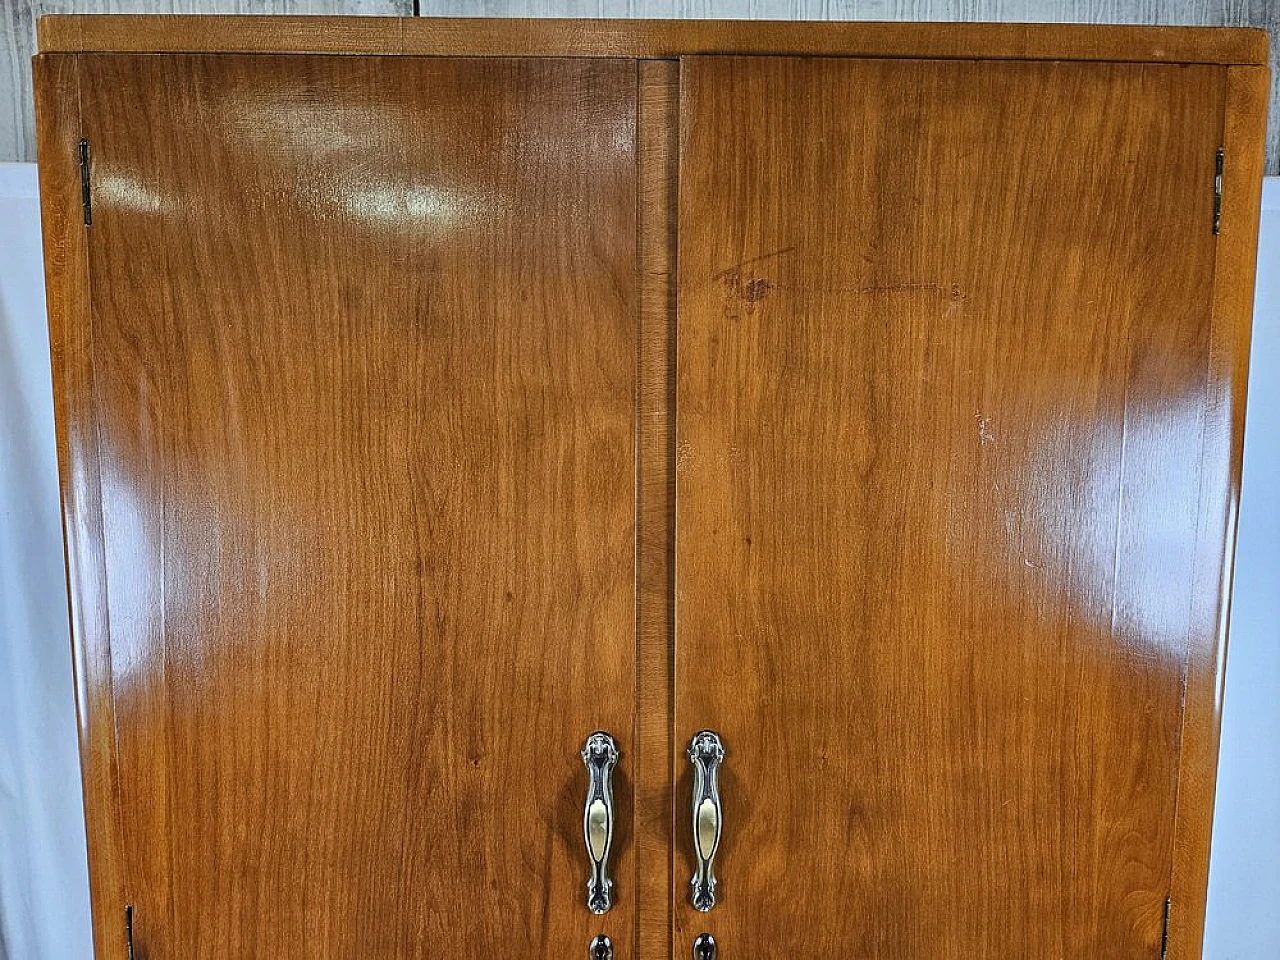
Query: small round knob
{"points": [[601, 948], [704, 947]]}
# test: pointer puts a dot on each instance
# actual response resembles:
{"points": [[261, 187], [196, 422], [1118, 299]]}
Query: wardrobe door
{"points": [[948, 461], [361, 339]]}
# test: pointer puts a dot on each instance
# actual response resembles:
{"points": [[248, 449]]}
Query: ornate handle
{"points": [[600, 754], [706, 752]]}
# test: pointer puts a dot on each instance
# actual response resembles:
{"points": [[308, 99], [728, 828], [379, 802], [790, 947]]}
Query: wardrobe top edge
{"points": [[644, 39]]}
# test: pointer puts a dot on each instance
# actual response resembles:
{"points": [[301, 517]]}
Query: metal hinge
{"points": [[86, 200], [1217, 192], [128, 924], [1164, 932]]}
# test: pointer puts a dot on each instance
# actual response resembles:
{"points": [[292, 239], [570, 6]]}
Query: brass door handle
{"points": [[600, 754], [706, 753]]}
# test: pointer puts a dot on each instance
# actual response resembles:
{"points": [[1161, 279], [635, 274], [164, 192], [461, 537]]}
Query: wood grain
{"points": [[649, 38], [18, 20], [66, 256], [1261, 14], [1221, 453], [364, 498], [17, 26], [658, 148], [364, 335], [943, 338]]}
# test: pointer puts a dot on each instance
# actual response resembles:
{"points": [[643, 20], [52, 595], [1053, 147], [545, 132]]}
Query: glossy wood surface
{"points": [[371, 437], [658, 148], [946, 343], [364, 377], [545, 36]]}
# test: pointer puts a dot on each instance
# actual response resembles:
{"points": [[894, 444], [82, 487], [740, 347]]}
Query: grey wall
{"points": [[17, 26]]}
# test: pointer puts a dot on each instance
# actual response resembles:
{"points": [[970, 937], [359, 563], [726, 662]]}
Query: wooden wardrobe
{"points": [[840, 422]]}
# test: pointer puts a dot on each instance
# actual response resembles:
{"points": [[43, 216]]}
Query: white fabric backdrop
{"points": [[44, 909], [44, 894], [1244, 875]]}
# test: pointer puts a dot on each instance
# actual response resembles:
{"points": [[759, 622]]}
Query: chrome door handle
{"points": [[600, 754], [706, 753]]}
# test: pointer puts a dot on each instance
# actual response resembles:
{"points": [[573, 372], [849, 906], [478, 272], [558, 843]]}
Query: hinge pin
{"points": [[1217, 193], [85, 198]]}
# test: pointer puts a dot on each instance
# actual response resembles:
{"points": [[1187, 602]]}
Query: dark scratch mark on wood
{"points": [[738, 267]]}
